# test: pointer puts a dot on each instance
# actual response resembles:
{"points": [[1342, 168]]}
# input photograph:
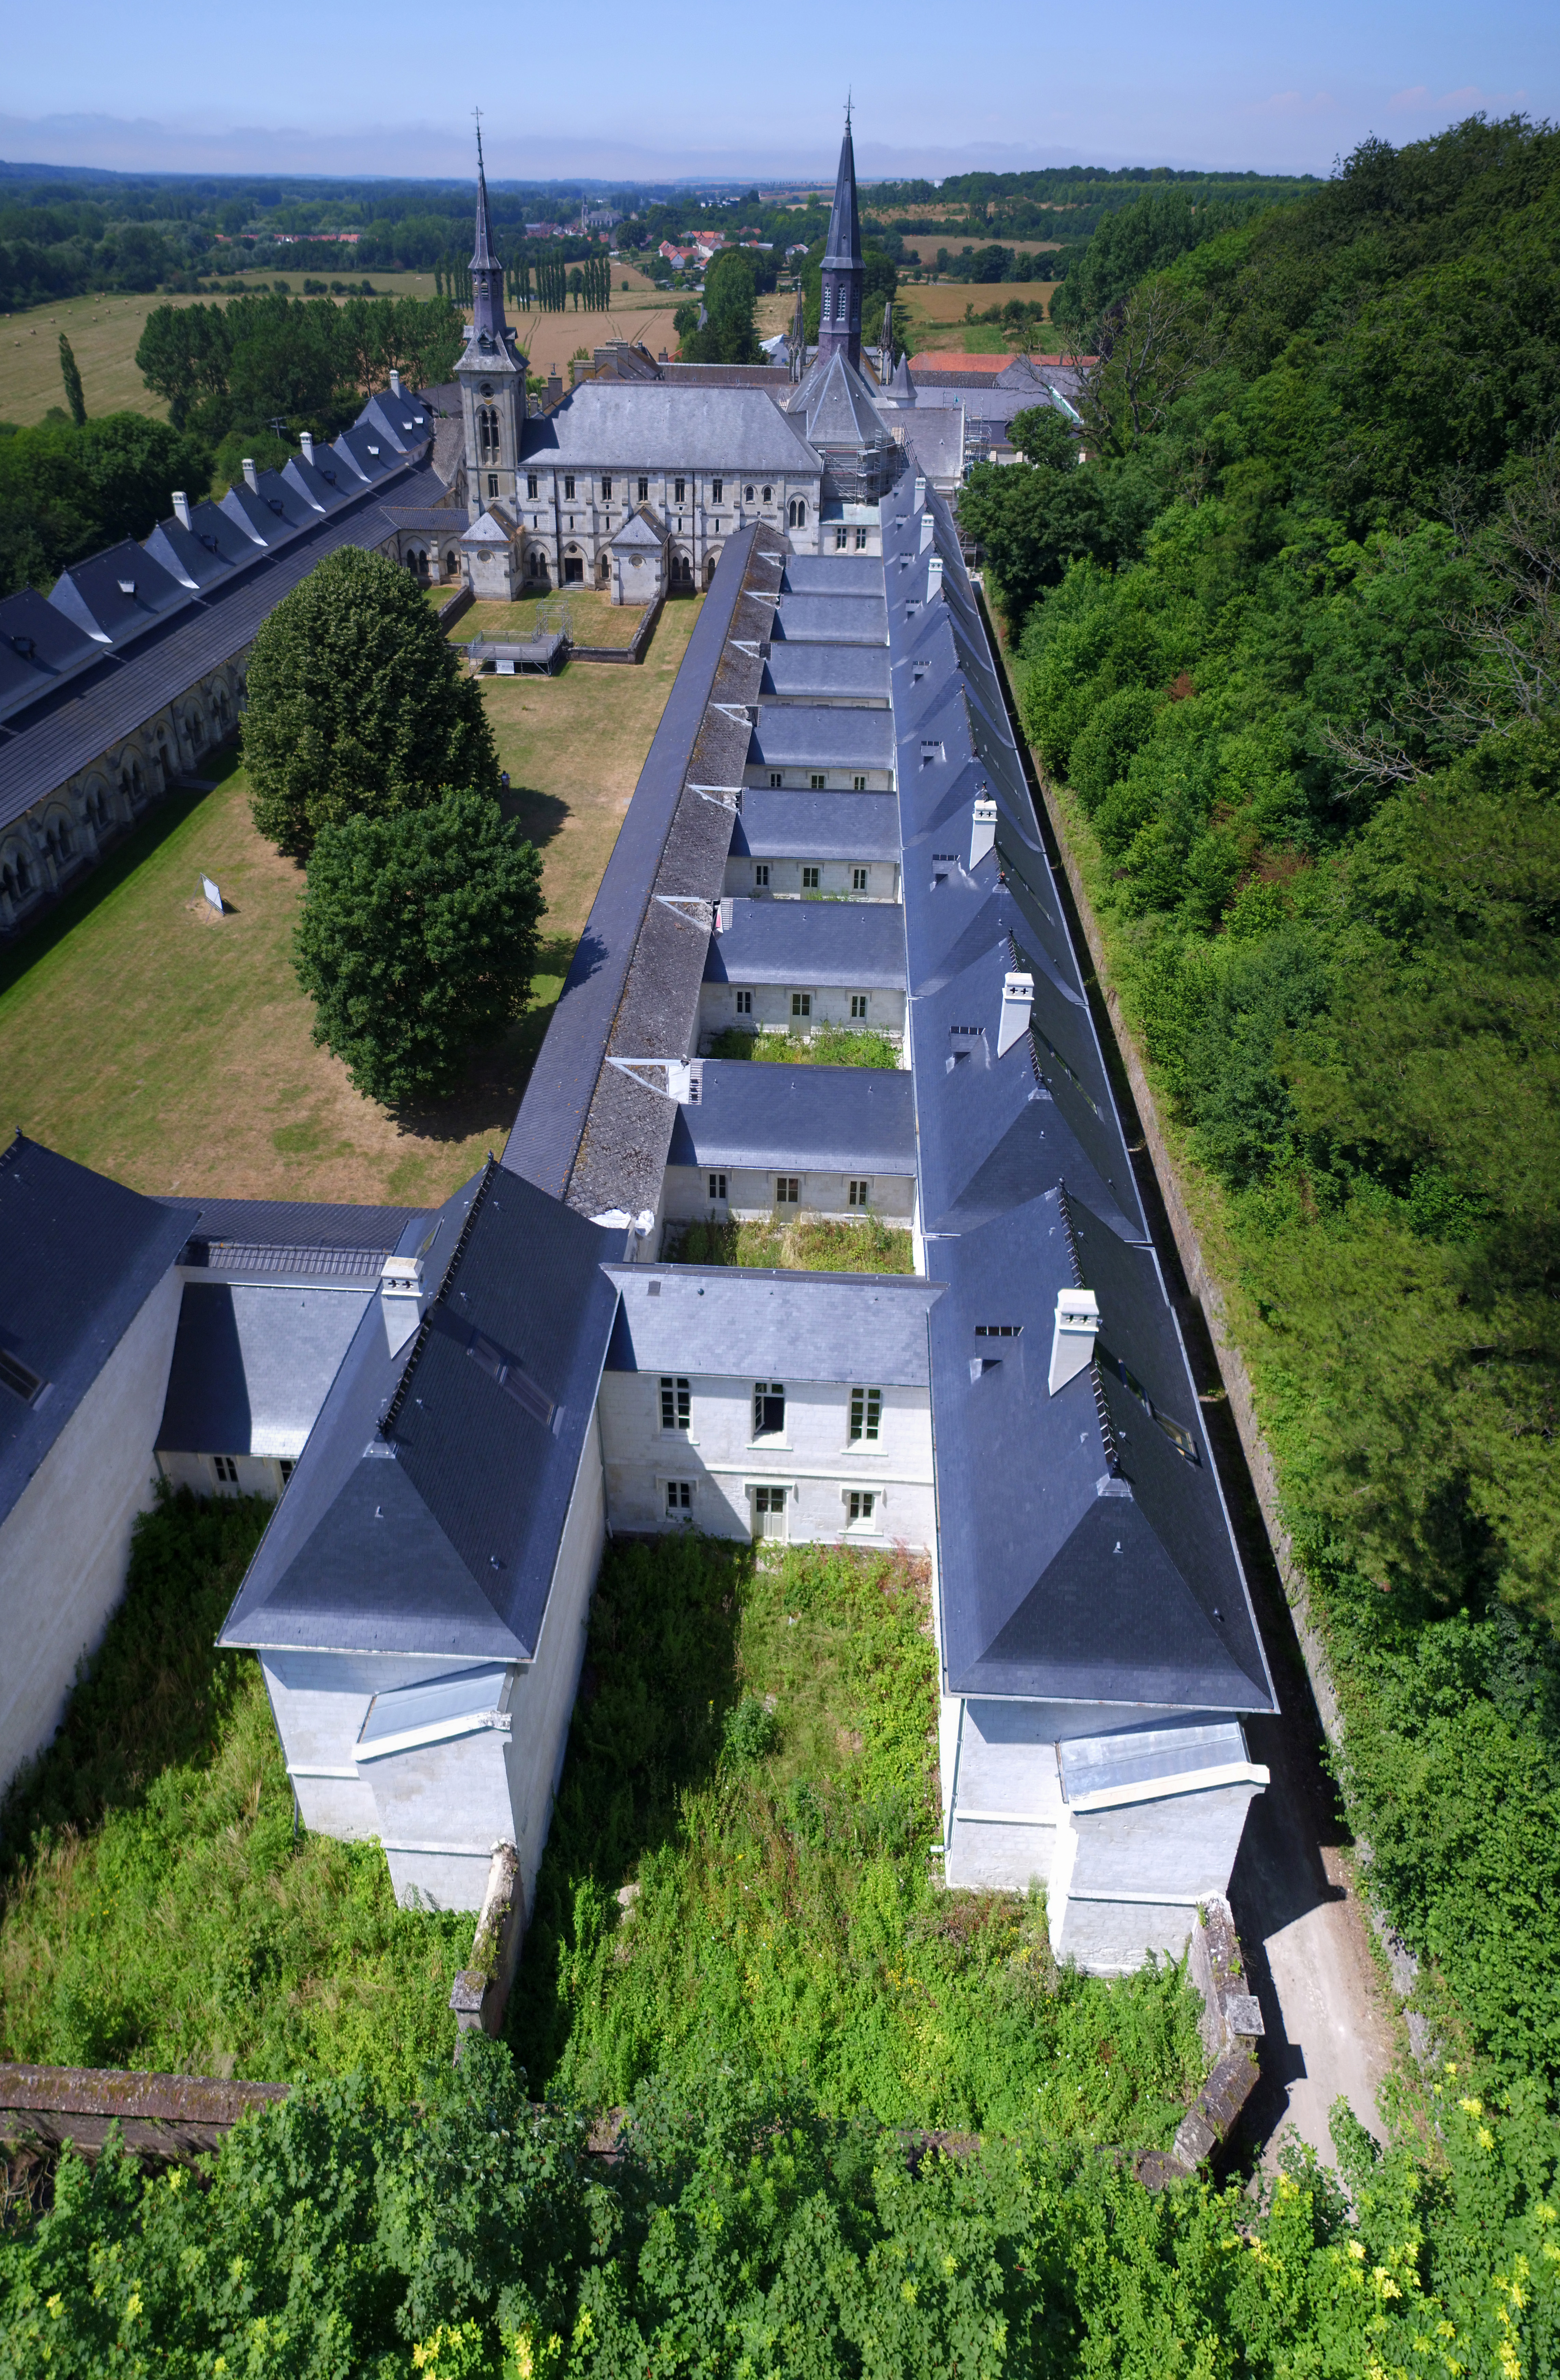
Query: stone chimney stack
{"points": [[251, 477], [306, 439], [395, 384]]}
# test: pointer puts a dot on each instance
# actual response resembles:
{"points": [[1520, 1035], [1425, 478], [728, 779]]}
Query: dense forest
{"points": [[1288, 640]]}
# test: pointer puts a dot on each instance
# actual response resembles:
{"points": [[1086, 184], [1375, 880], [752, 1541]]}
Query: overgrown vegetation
{"points": [[739, 1873], [830, 1045], [157, 1909], [737, 2232], [1290, 638], [68, 488], [867, 1246]]}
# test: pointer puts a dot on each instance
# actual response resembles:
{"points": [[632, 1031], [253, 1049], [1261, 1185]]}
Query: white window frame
{"points": [[686, 1493], [858, 1006], [817, 782], [864, 1425], [801, 1006], [813, 879], [787, 1190], [866, 1521], [767, 1389], [860, 882], [761, 874], [676, 1395], [859, 1193], [744, 1000], [718, 1195]]}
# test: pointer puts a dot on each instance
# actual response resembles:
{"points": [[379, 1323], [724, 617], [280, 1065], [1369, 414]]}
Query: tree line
{"points": [[1288, 639]]}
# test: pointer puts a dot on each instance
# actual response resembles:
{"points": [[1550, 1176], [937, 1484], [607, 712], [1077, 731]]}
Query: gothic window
{"points": [[747, 495], [606, 491], [768, 493], [796, 516], [644, 491], [826, 296], [530, 485], [568, 487], [492, 483], [717, 490], [677, 487], [487, 433]]}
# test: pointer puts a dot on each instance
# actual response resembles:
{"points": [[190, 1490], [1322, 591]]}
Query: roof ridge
{"points": [[393, 1410]]}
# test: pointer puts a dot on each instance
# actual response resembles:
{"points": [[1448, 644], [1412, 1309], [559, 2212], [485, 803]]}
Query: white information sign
{"points": [[212, 893], [506, 669]]}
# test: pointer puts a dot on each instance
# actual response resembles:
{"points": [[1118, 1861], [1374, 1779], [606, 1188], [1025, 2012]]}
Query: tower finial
{"points": [[477, 114]]}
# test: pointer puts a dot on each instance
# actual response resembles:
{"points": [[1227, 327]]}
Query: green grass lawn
{"points": [[831, 1045], [142, 1034], [157, 1910], [740, 1873], [869, 1245]]}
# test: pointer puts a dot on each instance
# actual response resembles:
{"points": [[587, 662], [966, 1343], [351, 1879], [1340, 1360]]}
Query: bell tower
{"points": [[492, 373], [844, 270]]}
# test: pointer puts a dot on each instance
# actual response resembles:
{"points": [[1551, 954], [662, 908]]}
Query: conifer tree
{"points": [[69, 373]]}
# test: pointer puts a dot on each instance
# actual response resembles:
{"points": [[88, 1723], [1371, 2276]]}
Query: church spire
{"points": [[839, 328], [487, 277]]}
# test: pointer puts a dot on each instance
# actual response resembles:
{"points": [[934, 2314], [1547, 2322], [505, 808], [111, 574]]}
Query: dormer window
{"points": [[374, 450], [126, 586]]}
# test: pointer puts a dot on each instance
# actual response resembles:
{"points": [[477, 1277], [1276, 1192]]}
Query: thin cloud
{"points": [[1419, 100], [1291, 103]]}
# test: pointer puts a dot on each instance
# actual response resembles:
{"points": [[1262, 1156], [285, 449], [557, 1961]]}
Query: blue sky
{"points": [[622, 90]]}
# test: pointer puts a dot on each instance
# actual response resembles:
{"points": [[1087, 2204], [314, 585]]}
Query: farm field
{"points": [[142, 1034], [935, 304], [104, 333]]}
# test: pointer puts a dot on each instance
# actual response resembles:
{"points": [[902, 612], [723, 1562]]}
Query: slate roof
{"points": [[934, 441], [291, 1236], [80, 720], [816, 826], [252, 1364], [798, 1326], [616, 425], [858, 945], [828, 619], [802, 673], [796, 735], [836, 406], [586, 1131], [1085, 1553], [427, 1511], [795, 1119], [640, 531], [79, 1256], [833, 574]]}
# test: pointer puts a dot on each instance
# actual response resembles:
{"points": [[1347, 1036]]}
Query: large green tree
{"points": [[65, 491], [358, 704], [1035, 517], [730, 333], [418, 939]]}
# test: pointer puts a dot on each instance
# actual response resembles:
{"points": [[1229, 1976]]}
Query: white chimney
{"points": [[921, 489], [181, 508], [400, 1298], [934, 577], [1017, 999], [1072, 1342], [251, 477], [685, 1081], [927, 528], [306, 439], [982, 833], [725, 914], [395, 384]]}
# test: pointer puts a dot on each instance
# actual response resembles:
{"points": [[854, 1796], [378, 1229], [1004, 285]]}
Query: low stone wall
{"points": [[458, 606], [634, 650], [1231, 2028], [164, 2116]]}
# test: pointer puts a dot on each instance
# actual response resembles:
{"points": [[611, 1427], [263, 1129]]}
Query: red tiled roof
{"points": [[949, 359]]}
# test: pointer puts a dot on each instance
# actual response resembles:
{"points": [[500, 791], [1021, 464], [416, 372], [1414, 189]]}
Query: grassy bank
{"points": [[867, 1246], [741, 1875], [157, 1910]]}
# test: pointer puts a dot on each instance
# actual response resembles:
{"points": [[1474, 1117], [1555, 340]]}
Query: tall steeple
{"points": [[487, 276], [839, 326]]}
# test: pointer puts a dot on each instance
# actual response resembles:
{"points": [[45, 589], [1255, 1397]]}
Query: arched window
{"points": [[797, 514], [452, 564], [487, 433], [826, 296], [768, 496]]}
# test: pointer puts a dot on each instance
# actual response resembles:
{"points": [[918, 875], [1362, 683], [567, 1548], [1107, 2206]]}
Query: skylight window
{"points": [[19, 1378]]}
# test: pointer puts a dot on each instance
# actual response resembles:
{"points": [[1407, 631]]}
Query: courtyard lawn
{"points": [[869, 1245], [157, 1910], [592, 618], [142, 1034], [741, 1872], [830, 1046]]}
